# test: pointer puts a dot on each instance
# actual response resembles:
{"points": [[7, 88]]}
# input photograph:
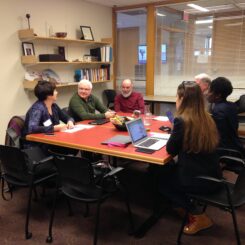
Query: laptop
{"points": [[139, 137], [170, 116]]}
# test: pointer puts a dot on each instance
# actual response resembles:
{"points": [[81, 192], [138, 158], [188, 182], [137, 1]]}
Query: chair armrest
{"points": [[212, 179], [113, 172], [35, 164], [46, 159], [229, 152], [233, 160]]}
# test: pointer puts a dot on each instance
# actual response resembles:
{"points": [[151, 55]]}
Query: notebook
{"points": [[139, 137], [118, 140], [99, 121]]}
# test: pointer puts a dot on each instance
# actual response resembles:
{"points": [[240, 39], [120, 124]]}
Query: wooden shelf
{"points": [[30, 85], [28, 35], [31, 61]]}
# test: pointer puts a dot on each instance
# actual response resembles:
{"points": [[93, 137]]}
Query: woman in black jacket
{"points": [[194, 140]]}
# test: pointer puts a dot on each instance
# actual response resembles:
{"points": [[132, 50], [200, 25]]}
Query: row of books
{"points": [[103, 54], [96, 74]]}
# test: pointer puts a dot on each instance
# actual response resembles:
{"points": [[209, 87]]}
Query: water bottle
{"points": [[147, 116]]}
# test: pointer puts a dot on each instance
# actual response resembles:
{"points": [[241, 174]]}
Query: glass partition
{"points": [[131, 48], [191, 41]]}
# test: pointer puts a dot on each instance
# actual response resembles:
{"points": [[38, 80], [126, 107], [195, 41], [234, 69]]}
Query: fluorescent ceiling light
{"points": [[210, 27], [204, 21], [159, 14], [194, 6], [234, 24]]}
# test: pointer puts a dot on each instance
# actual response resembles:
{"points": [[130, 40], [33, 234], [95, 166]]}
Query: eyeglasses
{"points": [[184, 83], [187, 83]]}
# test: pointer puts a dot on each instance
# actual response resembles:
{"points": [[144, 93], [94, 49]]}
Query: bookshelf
{"points": [[95, 71]]}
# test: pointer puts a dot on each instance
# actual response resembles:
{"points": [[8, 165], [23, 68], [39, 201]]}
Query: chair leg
{"points": [[35, 194], [50, 236], [235, 226], [86, 213], [69, 206], [182, 228], [97, 223], [28, 234]]}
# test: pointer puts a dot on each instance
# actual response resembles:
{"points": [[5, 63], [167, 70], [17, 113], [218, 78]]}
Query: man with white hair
{"points": [[83, 105], [128, 100], [204, 81]]}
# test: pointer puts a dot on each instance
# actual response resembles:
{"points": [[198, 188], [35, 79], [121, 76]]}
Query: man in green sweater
{"points": [[83, 105]]}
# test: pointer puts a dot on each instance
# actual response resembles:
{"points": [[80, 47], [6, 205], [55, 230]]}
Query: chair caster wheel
{"points": [[49, 239], [28, 235]]}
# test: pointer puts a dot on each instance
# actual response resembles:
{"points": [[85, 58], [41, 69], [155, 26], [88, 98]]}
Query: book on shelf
{"points": [[96, 74], [95, 52], [104, 54]]}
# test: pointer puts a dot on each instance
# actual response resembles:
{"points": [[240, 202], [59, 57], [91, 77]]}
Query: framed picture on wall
{"points": [[28, 48], [87, 33], [142, 54]]}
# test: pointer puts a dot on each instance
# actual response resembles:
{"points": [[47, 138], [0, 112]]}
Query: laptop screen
{"points": [[136, 129], [170, 116]]}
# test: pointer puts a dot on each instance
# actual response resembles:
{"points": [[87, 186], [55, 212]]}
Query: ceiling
{"points": [[212, 6], [119, 3]]}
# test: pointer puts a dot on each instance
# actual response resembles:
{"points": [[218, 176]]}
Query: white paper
{"points": [[159, 135], [161, 118], [77, 128]]}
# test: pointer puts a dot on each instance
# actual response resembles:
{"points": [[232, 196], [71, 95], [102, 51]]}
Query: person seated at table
{"points": [[83, 105], [204, 81], [128, 100], [224, 114], [45, 115], [194, 140]]}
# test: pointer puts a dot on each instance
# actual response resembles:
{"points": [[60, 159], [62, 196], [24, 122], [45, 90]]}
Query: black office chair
{"points": [[241, 108], [25, 168], [77, 182], [110, 95], [66, 111], [231, 160], [13, 135], [228, 198]]}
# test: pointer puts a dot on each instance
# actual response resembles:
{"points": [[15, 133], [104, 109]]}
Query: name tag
{"points": [[47, 123]]}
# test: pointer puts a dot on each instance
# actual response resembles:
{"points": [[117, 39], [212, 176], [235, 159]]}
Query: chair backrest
{"points": [[14, 131], [76, 174], [13, 162], [110, 95], [241, 104], [66, 111]]}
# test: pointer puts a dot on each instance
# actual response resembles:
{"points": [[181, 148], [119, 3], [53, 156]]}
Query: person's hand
{"points": [[70, 125], [110, 114], [60, 127]]}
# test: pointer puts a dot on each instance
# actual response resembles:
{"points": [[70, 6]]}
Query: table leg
{"points": [[149, 223]]}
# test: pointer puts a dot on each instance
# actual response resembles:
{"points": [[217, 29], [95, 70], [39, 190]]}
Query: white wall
{"points": [[61, 15]]}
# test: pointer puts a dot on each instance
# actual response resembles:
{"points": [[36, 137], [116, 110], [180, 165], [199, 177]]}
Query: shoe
{"points": [[197, 223]]}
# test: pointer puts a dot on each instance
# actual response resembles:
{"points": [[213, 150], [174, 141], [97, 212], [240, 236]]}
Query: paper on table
{"points": [[159, 135], [77, 128], [161, 118]]}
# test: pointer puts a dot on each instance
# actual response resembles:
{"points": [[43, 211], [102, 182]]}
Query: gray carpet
{"points": [[114, 224]]}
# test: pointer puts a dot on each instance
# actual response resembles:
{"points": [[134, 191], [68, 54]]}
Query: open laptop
{"points": [[170, 116], [139, 137]]}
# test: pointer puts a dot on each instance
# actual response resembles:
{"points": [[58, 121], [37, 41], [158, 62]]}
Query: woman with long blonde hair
{"points": [[194, 140]]}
